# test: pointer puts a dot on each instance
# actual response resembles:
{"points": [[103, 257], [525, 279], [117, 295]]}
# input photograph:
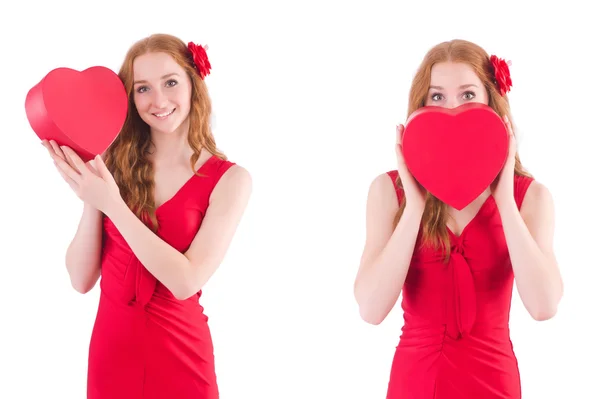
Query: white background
{"points": [[306, 97]]}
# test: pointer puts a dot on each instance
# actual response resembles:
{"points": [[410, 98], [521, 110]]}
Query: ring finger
{"points": [[69, 181]]}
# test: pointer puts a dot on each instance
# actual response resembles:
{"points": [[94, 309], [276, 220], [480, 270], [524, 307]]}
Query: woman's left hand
{"points": [[503, 188], [95, 187]]}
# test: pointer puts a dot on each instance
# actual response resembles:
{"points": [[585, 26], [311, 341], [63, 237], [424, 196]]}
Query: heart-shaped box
{"points": [[455, 153], [82, 110]]}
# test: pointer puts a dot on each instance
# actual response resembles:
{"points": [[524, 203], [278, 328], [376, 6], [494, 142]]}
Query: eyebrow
{"points": [[162, 77], [461, 87]]}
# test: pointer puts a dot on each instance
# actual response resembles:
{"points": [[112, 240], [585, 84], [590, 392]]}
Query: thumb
{"points": [[400, 133], [101, 167]]}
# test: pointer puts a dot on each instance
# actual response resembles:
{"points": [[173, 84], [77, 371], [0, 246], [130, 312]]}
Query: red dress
{"points": [[146, 344], [455, 340]]}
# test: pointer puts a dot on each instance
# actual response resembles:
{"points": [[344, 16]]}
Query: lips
{"points": [[164, 115]]}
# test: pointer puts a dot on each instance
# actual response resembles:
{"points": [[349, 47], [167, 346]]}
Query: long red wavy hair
{"points": [[435, 217], [127, 157]]}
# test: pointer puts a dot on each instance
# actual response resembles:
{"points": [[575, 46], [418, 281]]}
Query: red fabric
{"points": [[146, 344], [455, 339]]}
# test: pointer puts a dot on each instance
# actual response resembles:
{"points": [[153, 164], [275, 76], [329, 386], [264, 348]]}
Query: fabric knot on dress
{"points": [[462, 295], [141, 284], [457, 245], [145, 285]]}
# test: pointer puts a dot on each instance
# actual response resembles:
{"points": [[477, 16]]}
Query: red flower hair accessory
{"points": [[502, 74], [200, 59]]}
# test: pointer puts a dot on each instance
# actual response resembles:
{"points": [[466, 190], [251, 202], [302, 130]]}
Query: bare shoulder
{"points": [[236, 175], [382, 207], [537, 200], [382, 191], [538, 190], [383, 184], [236, 183]]}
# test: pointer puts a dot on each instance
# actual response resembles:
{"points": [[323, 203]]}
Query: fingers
{"points": [[54, 151], [101, 167], [57, 150], [508, 125], [49, 148], [399, 137], [57, 153], [399, 133], [105, 173], [75, 160], [61, 164], [68, 171], [92, 167], [69, 181], [99, 162]]}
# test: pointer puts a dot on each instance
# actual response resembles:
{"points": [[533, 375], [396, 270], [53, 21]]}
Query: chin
{"points": [[167, 126], [165, 129]]}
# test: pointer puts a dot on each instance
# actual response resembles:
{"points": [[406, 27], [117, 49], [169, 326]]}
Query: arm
{"points": [[83, 257], [84, 252], [529, 236], [185, 274], [387, 252]]}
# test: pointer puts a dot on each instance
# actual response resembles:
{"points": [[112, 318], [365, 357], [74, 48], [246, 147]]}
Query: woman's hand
{"points": [[91, 181], [57, 154], [503, 188], [414, 193]]}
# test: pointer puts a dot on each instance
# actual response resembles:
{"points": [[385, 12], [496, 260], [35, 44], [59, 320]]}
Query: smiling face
{"points": [[162, 92], [454, 84]]}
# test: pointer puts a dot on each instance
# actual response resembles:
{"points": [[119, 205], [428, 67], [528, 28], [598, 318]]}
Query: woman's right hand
{"points": [[414, 193], [57, 155]]}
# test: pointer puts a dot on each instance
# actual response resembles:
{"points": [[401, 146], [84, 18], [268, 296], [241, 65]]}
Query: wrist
{"points": [[414, 209], [114, 207], [507, 207]]}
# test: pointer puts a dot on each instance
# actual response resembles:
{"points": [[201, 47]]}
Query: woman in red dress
{"points": [[456, 269], [160, 211]]}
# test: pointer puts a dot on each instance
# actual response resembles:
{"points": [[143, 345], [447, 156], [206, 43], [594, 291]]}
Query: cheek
{"points": [[141, 103], [183, 99]]}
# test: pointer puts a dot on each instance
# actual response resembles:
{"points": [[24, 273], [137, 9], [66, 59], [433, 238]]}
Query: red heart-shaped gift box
{"points": [[456, 153], [82, 110]]}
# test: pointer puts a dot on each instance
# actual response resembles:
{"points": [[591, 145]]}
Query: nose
{"points": [[159, 99], [451, 103]]}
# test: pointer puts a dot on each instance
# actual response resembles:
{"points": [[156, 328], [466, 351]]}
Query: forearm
{"points": [[84, 252], [379, 284], [537, 276], [164, 262]]}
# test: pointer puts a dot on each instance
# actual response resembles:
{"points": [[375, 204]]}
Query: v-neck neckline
{"points": [[187, 182], [487, 201]]}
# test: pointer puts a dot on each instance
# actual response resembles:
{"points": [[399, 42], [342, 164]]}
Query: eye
{"points": [[436, 97], [141, 89], [171, 82], [469, 95]]}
